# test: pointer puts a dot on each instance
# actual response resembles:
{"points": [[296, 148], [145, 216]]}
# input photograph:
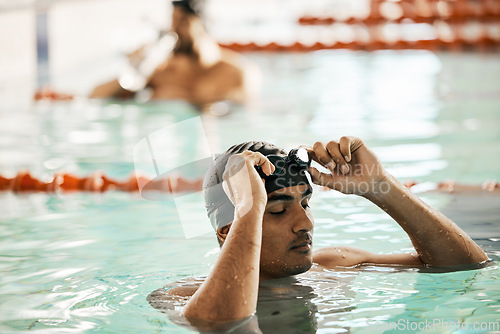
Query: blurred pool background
{"points": [[85, 262]]}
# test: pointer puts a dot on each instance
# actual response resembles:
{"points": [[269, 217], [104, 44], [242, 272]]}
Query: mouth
{"points": [[303, 247]]}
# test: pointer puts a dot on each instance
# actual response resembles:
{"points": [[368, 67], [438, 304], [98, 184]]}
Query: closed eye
{"points": [[278, 212]]}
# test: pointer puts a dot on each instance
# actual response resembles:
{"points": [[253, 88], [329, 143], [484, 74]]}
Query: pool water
{"points": [[82, 262]]}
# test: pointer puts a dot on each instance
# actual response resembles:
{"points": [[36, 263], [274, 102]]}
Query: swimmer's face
{"points": [[287, 233]]}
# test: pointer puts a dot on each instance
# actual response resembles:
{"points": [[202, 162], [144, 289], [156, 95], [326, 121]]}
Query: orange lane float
{"points": [[96, 182], [453, 22], [48, 93], [418, 11], [483, 43]]}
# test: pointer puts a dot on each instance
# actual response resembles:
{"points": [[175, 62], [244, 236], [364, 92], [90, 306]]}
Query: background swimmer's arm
{"points": [[356, 170], [113, 88], [230, 291], [110, 89]]}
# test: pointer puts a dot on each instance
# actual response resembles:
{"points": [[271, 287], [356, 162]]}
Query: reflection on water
{"points": [[356, 299], [83, 262]]}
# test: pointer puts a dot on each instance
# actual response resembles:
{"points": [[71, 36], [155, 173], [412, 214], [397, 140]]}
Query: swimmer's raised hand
{"points": [[354, 169], [243, 184], [230, 291]]}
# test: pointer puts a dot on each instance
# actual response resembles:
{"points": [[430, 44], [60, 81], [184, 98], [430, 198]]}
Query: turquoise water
{"points": [[86, 262]]}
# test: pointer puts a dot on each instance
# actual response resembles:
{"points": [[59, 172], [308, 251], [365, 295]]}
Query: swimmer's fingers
{"points": [[333, 148], [258, 159], [320, 154], [329, 156], [322, 179], [249, 159], [266, 165], [335, 154], [241, 181], [349, 145]]}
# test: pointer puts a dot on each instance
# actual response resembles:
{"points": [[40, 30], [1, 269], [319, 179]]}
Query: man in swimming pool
{"points": [[265, 225], [198, 70]]}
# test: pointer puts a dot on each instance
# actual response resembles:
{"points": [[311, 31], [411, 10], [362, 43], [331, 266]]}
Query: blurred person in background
{"points": [[196, 69]]}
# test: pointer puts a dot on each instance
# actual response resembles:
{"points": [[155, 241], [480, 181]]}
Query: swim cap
{"points": [[288, 173]]}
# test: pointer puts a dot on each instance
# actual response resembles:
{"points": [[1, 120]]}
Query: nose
{"points": [[303, 220]]}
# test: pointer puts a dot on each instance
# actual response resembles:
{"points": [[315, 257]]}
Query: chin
{"points": [[299, 269], [287, 270]]}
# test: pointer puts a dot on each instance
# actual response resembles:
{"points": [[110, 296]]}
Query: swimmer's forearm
{"points": [[230, 292], [436, 238]]}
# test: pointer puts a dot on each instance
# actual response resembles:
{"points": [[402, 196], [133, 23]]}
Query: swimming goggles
{"points": [[297, 158]]}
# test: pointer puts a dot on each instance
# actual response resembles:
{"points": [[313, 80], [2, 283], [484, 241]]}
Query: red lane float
{"points": [[453, 22], [418, 11], [96, 182], [482, 44]]}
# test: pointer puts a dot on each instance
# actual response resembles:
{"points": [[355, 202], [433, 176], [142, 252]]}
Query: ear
{"points": [[223, 232]]}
